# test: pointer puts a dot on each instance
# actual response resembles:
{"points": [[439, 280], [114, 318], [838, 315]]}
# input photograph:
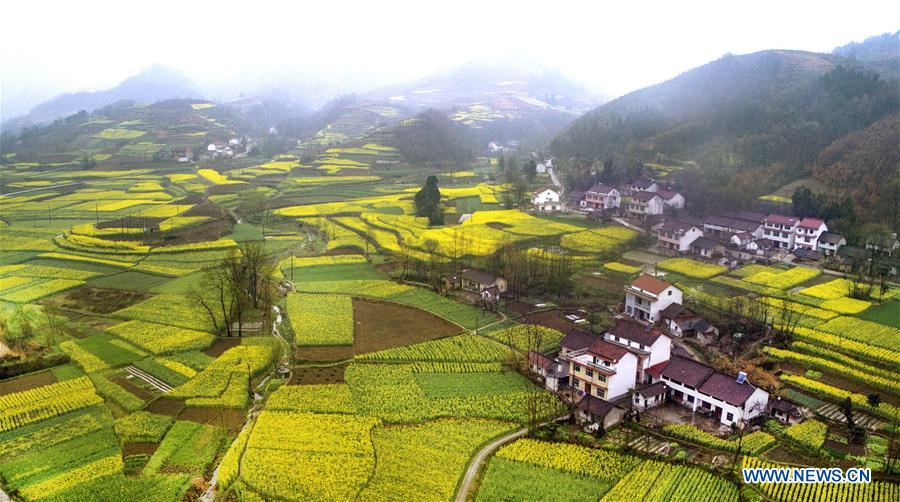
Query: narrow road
{"points": [[553, 177], [622, 222], [466, 485]]}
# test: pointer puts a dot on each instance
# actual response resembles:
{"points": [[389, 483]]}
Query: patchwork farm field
{"points": [[360, 372]]}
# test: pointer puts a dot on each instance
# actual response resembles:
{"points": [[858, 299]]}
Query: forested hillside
{"points": [[747, 124]]}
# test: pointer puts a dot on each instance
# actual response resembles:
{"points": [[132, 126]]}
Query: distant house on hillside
{"points": [[883, 243], [671, 198], [643, 184], [546, 199], [677, 235], [707, 248], [830, 242], [602, 196], [477, 281], [645, 204]]}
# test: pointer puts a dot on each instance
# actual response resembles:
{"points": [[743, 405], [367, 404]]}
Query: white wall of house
{"points": [[830, 249], [546, 200], [614, 386], [645, 309], [677, 201], [808, 238], [783, 235], [754, 406], [642, 403]]}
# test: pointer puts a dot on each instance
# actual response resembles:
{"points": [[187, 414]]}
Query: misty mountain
{"points": [[749, 110], [881, 52], [500, 101], [154, 83]]}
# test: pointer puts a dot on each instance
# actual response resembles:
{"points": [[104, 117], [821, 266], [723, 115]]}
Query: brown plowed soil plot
{"points": [[132, 388], [328, 353], [129, 449], [165, 406], [520, 307], [28, 382], [384, 325], [99, 301], [306, 375], [219, 417], [221, 345], [550, 319]]}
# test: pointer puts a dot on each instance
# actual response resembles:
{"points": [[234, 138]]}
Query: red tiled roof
{"points": [[651, 284], [780, 219], [540, 359], [813, 223], [607, 350], [656, 369]]}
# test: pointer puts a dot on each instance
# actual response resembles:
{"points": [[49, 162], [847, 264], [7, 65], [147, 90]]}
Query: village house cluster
{"points": [[636, 365]]}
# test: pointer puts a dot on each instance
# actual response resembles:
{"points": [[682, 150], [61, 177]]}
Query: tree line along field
{"points": [[142, 395]]}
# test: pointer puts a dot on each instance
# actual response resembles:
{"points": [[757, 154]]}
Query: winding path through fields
{"points": [[465, 485]]}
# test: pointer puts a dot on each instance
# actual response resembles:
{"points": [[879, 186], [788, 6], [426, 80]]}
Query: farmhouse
{"points": [[546, 199], [699, 387], [555, 374], [671, 198], [648, 344], [781, 229], [479, 281], [603, 369], [883, 243], [677, 235], [830, 242], [808, 232], [729, 224], [597, 413], [707, 248], [680, 322], [649, 396], [602, 196], [575, 199], [643, 184], [647, 296], [644, 204], [785, 411]]}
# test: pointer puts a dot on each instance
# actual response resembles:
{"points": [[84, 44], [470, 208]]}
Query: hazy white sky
{"points": [[614, 47]]}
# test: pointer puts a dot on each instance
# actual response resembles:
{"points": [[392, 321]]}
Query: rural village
{"points": [[486, 285]]}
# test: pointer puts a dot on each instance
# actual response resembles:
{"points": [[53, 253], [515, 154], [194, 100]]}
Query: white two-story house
{"points": [[671, 198], [644, 204], [781, 230], [647, 296], [546, 199], [602, 196], [808, 232], [830, 242], [651, 346], [677, 235], [604, 370]]}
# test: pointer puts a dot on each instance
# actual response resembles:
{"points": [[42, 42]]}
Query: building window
{"points": [[690, 399], [729, 416], [670, 292], [589, 373], [577, 369], [601, 378], [601, 393], [641, 346]]}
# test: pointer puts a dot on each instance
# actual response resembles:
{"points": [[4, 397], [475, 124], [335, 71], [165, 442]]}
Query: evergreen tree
{"points": [[427, 202]]}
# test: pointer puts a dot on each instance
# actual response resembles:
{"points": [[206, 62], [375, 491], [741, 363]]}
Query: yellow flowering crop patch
{"points": [[40, 290], [785, 279], [22, 408], [321, 319], [846, 305], [621, 267], [160, 338], [216, 178], [301, 456], [572, 458], [692, 268], [119, 133]]}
